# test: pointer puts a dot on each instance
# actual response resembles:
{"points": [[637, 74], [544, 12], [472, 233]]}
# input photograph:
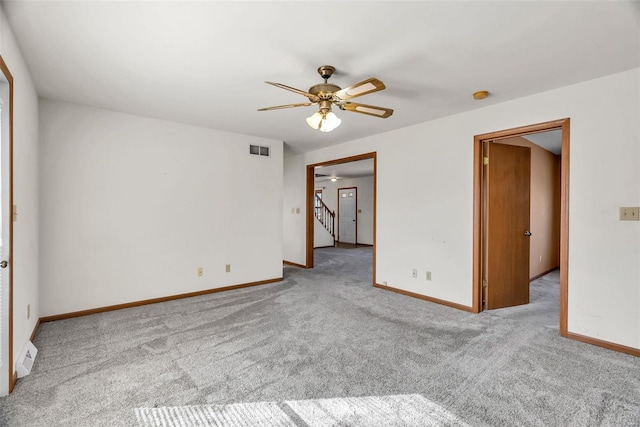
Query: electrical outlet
{"points": [[428, 275], [414, 273], [385, 283], [200, 271], [227, 268], [630, 214]]}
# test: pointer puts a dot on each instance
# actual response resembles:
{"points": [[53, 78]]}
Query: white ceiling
{"points": [[550, 140], [205, 62], [357, 169]]}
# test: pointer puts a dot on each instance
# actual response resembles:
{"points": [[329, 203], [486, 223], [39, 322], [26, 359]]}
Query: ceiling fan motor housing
{"points": [[324, 90]]}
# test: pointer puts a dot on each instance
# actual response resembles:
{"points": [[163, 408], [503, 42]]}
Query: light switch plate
{"points": [[630, 213]]}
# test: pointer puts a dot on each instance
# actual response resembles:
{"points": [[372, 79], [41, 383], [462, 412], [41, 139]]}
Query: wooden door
{"points": [[507, 204], [347, 219]]}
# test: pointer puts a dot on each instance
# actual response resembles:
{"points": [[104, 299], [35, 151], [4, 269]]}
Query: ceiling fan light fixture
{"points": [[329, 122], [315, 120]]}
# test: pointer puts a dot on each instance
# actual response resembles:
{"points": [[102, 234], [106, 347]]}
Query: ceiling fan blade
{"points": [[362, 88], [312, 97], [279, 107], [371, 110]]}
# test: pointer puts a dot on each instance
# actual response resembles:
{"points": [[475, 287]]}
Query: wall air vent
{"points": [[25, 359], [258, 150]]}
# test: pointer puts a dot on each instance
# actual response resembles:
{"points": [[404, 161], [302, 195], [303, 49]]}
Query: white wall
{"points": [[25, 190], [293, 234], [131, 207], [321, 236], [365, 203], [425, 200]]}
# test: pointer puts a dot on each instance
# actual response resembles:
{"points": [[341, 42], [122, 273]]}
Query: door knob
{"points": [[527, 233], [4, 264]]}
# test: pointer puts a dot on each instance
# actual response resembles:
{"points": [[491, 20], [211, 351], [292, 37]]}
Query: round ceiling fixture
{"points": [[482, 94]]}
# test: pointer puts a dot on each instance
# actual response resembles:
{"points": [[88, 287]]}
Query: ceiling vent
{"points": [[258, 150]]}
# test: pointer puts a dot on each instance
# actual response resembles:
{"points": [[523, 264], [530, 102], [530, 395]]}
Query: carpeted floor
{"points": [[318, 347], [404, 410], [544, 303]]}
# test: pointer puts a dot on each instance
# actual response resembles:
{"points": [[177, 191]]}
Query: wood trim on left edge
{"points": [[310, 194], [153, 301], [13, 376], [477, 224]]}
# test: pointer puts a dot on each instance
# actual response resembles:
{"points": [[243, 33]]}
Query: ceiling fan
{"points": [[332, 177], [327, 94]]}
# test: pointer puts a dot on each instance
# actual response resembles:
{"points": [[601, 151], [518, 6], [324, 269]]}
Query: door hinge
{"points": [[485, 283], [15, 213], [485, 160]]}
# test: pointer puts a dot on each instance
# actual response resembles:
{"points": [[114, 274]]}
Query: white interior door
{"points": [[347, 220], [5, 222]]}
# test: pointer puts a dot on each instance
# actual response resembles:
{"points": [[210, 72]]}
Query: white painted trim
{"points": [[4, 249]]}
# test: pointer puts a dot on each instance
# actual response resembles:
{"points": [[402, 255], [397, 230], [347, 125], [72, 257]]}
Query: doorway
{"points": [[483, 252], [311, 201], [7, 379]]}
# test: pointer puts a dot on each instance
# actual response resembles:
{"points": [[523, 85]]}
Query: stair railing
{"points": [[326, 217]]}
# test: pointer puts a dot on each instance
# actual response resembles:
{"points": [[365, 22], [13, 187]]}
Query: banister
{"points": [[325, 215]]}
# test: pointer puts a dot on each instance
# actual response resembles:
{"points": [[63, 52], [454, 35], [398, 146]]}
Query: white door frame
{"points": [[7, 376]]}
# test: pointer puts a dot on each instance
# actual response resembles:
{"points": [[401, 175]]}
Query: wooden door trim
{"points": [[309, 204], [338, 213], [12, 375], [478, 174]]}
